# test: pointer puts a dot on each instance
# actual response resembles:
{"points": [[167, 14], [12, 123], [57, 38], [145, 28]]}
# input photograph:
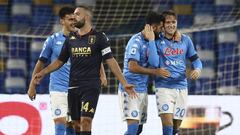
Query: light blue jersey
{"points": [[173, 56], [52, 47], [136, 50]]}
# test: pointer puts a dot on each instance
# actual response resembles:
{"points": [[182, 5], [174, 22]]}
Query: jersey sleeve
{"points": [[153, 57], [191, 51], [46, 52], [133, 49], [105, 47], [65, 52]]}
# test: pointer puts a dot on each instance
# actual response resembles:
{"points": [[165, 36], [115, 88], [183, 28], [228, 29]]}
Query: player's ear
{"points": [[61, 21]]}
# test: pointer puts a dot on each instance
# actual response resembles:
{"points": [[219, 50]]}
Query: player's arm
{"points": [[114, 67], [63, 58], [32, 87], [103, 77], [45, 53], [195, 61], [153, 57]]}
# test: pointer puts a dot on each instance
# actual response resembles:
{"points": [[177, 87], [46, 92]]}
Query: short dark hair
{"points": [[169, 12], [87, 8], [65, 11], [153, 18]]}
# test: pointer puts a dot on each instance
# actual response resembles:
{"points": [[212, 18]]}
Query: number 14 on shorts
{"points": [[85, 107]]}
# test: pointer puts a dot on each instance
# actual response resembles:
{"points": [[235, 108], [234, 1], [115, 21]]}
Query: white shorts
{"points": [[135, 109], [172, 101], [59, 104]]}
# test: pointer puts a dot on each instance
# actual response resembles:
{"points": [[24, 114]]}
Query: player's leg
{"points": [[143, 109], [89, 104], [165, 103], [131, 110], [59, 111], [74, 107], [180, 109]]}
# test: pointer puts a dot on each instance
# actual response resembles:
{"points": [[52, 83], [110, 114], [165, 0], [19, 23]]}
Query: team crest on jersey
{"points": [[91, 39]]}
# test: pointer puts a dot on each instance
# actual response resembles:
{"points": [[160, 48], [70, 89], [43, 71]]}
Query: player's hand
{"points": [[103, 81], [31, 92], [129, 88], [162, 72], [193, 74], [148, 32], [38, 77], [177, 36]]}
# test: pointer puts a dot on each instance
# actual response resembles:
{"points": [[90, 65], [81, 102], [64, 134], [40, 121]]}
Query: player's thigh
{"points": [[90, 98], [74, 103], [132, 108], [181, 104], [59, 104], [165, 99]]}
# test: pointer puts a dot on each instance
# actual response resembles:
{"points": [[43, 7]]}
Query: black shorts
{"points": [[82, 101]]}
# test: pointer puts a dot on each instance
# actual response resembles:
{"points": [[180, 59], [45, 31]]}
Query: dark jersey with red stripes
{"points": [[86, 53]]}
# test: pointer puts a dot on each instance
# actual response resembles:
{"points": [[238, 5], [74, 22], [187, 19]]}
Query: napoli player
{"points": [[171, 92], [136, 72]]}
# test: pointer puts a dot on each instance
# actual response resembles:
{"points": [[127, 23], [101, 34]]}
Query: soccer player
{"points": [[58, 85], [136, 71], [86, 48], [171, 92]]}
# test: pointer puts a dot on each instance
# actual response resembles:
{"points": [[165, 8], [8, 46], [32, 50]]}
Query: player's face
{"points": [[157, 29], [170, 25], [80, 15], [69, 22]]}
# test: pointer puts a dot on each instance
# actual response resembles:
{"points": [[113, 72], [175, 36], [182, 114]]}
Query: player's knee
{"points": [[167, 119], [61, 120], [76, 125], [86, 123]]}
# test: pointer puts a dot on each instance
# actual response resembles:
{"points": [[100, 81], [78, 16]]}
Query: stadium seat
{"points": [[18, 47], [201, 19], [17, 65], [4, 14], [184, 21], [14, 85], [227, 37], [42, 2], [35, 50], [21, 1], [3, 49], [205, 40], [64, 1], [2, 78]]}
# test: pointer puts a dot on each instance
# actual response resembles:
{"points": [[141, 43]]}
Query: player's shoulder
{"points": [[136, 39], [185, 37], [101, 35]]}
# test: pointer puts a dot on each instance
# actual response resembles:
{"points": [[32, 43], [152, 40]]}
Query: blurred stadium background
{"points": [[214, 26]]}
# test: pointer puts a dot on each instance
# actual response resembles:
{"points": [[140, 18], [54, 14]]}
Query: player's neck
{"points": [[168, 36], [65, 31], [84, 30]]}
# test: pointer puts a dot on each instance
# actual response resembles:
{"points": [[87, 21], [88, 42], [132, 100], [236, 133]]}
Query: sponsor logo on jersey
{"points": [[170, 51], [173, 62], [91, 39], [81, 51]]}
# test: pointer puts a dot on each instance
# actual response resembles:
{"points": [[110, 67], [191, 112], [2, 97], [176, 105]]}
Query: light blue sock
{"points": [[132, 129], [167, 130], [60, 129], [70, 131]]}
